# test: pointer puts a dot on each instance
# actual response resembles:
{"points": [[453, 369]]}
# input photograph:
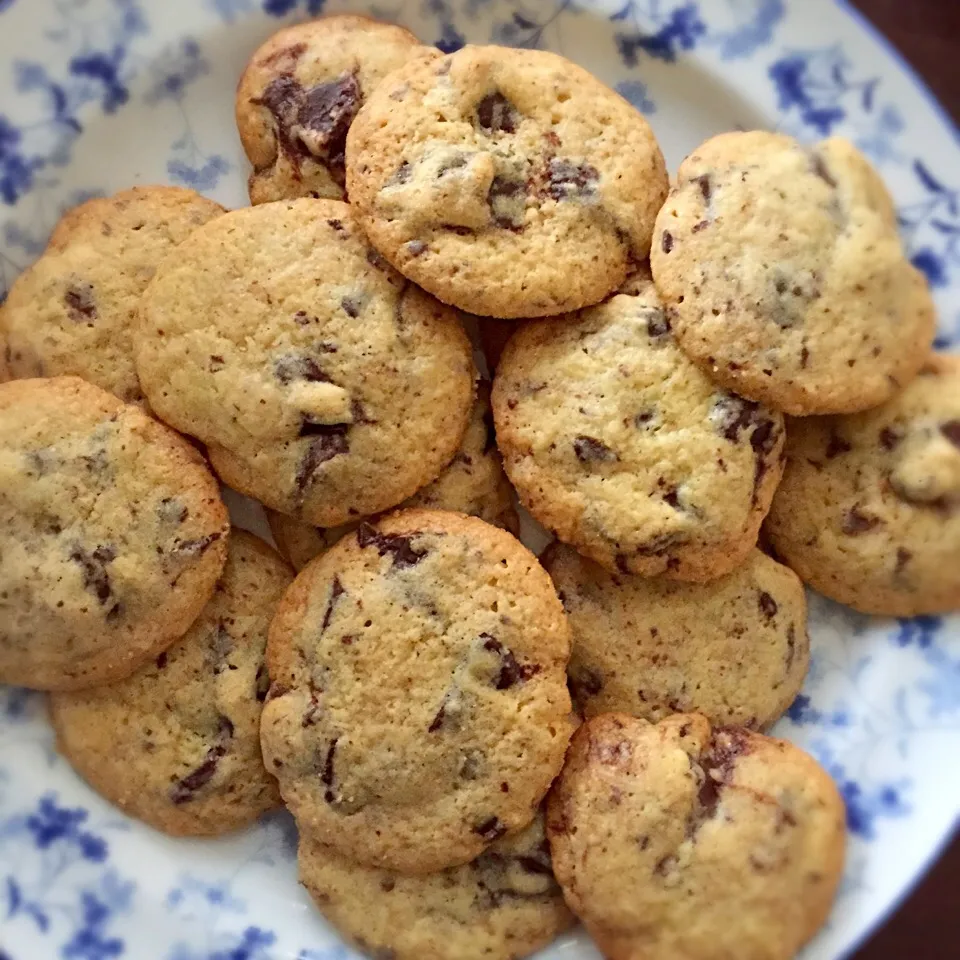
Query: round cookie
{"points": [[511, 183], [784, 277], [623, 447], [419, 708], [323, 384], [177, 745], [869, 509], [682, 840], [504, 905], [474, 483], [112, 535], [74, 310], [735, 649], [299, 94]]}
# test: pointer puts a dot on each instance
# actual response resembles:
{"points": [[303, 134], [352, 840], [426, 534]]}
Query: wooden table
{"points": [[927, 33]]}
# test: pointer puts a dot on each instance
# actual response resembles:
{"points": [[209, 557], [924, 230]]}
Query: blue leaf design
{"points": [[927, 178]]}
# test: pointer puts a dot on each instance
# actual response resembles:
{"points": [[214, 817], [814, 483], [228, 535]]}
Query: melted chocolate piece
{"points": [[186, 788], [568, 180], [81, 305], [404, 553], [330, 440], [768, 605], [856, 522], [591, 450], [93, 569], [496, 114], [490, 829], [294, 366], [336, 591]]}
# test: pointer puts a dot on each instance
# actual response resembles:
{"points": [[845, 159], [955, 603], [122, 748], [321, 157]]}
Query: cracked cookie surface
{"points": [[112, 535], [686, 840], [323, 383], [735, 649], [178, 744], [784, 278], [510, 183], [419, 708], [503, 905], [74, 311], [301, 91], [623, 447], [869, 509]]}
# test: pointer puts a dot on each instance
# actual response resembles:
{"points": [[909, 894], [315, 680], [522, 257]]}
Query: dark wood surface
{"points": [[927, 34]]}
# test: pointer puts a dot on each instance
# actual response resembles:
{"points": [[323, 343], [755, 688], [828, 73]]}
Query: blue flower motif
{"points": [[104, 68], [175, 70], [799, 88], [802, 713], [636, 92], [280, 8], [204, 176], [679, 30], [53, 824], [230, 10], [251, 944], [89, 941], [919, 630], [931, 227], [16, 169]]}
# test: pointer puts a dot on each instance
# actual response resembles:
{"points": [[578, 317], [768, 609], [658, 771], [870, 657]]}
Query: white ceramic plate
{"points": [[96, 95]]}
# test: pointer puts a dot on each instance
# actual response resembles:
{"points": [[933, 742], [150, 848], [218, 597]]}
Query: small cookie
{"points": [[300, 93], [323, 384], [504, 905], [419, 708], [869, 509], [784, 277], [511, 183], [474, 483], [177, 745], [735, 649], [623, 447], [682, 840], [112, 535], [73, 311]]}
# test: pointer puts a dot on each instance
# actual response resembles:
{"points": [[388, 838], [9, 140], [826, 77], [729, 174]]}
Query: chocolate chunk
{"points": [[403, 174], [856, 522], [330, 440], [496, 114], [951, 430], [666, 241], [733, 415], [327, 111], [114, 612], [717, 762], [672, 499], [511, 672], [161, 661], [568, 180], [351, 306], [196, 548], [437, 722], [889, 438], [294, 366], [820, 169], [81, 305], [171, 510], [404, 553], [96, 579], [836, 445], [185, 788], [490, 829], [658, 324], [326, 774], [804, 358], [591, 450], [216, 363], [416, 247], [337, 225], [336, 591], [643, 418], [664, 866], [507, 199], [768, 606], [262, 683], [705, 187], [904, 556]]}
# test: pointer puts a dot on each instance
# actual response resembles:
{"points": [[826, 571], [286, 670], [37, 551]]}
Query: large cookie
{"points": [[474, 483], [178, 744], [622, 446], [112, 535], [504, 905], [323, 383], [511, 183], [734, 649], [299, 94], [73, 311], [784, 277], [419, 708], [869, 509], [682, 840]]}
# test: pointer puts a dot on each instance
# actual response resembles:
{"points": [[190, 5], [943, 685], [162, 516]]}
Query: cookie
{"points": [[177, 745], [686, 840], [73, 311], [299, 94], [474, 483], [510, 183], [623, 447], [784, 277], [112, 535], [323, 384], [419, 708], [869, 509], [735, 649], [504, 905]]}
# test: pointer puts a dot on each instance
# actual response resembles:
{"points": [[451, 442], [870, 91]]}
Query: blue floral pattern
{"points": [[146, 80]]}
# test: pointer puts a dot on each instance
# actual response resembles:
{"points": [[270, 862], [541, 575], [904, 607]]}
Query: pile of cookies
{"points": [[407, 693]]}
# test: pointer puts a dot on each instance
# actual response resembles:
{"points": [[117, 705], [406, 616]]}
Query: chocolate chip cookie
{"points": [[419, 708], [74, 310], [323, 383], [112, 535], [474, 483], [784, 277], [504, 905], [626, 450], [734, 649], [177, 745], [511, 183], [686, 840], [869, 509], [300, 93]]}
